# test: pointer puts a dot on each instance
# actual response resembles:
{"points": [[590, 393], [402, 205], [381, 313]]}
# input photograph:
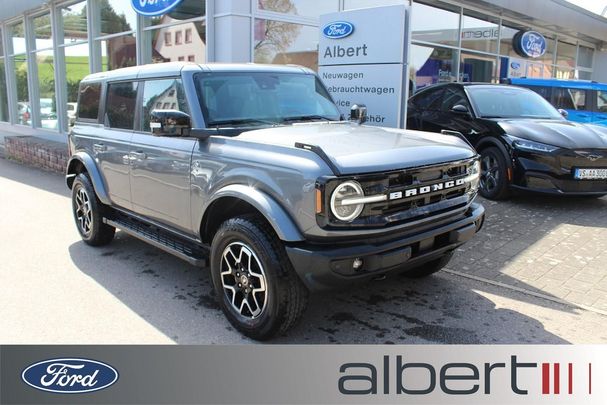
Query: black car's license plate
{"points": [[590, 174]]}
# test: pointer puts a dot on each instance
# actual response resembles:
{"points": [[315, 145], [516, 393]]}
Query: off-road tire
{"points": [[286, 297], [97, 233]]}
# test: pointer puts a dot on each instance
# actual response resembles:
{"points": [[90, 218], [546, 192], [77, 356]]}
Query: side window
{"points": [[601, 101], [429, 99], [579, 99], [563, 99], [162, 94], [120, 107], [454, 97], [88, 100]]}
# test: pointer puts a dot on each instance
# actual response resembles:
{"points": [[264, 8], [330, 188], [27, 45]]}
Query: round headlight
{"points": [[343, 201]]}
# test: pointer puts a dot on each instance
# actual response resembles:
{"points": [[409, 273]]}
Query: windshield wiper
{"points": [[307, 118], [243, 121]]}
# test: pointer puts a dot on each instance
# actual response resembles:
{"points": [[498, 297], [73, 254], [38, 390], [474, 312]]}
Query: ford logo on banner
{"points": [[338, 29], [154, 7], [530, 44], [69, 375], [515, 65]]}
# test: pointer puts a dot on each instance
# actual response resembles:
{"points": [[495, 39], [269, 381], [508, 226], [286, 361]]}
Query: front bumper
{"points": [[553, 173], [325, 267]]}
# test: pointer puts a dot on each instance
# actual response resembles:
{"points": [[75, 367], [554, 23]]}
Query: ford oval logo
{"points": [[154, 7], [530, 44], [338, 29], [515, 65], [69, 375]]}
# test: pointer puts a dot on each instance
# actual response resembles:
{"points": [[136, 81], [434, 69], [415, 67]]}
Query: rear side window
{"points": [[88, 101], [120, 106], [570, 99], [429, 99], [166, 94]]}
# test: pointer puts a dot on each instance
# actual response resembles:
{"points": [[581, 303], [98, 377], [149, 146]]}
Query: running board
{"points": [[191, 253]]}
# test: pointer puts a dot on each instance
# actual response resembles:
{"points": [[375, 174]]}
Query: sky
{"points": [[596, 6]]}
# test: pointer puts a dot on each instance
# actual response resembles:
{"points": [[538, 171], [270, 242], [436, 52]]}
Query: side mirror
{"points": [[358, 113], [460, 109], [564, 113], [169, 122]]}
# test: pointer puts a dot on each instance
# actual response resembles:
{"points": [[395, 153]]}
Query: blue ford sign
{"points": [[154, 7], [69, 375], [338, 29], [530, 44]]}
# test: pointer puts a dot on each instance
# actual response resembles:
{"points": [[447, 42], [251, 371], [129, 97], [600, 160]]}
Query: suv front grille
{"points": [[412, 194]]}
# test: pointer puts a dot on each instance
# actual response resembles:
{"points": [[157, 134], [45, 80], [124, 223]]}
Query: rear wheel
{"points": [[494, 180], [430, 268], [88, 213], [254, 280]]}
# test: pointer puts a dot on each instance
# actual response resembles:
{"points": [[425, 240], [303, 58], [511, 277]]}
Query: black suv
{"points": [[524, 142]]}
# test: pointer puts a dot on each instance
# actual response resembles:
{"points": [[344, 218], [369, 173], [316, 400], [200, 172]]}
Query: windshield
{"points": [[510, 102], [263, 98]]}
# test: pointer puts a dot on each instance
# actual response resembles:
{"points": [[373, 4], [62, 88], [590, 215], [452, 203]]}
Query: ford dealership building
{"points": [[48, 46]]}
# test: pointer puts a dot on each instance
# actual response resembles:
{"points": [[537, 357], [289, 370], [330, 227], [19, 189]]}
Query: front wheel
{"points": [[494, 169], [254, 280]]}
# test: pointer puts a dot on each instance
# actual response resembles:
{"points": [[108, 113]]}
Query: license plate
{"points": [[590, 174]]}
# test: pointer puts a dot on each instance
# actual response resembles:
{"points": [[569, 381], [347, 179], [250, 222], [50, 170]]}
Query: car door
{"points": [[426, 107], [160, 165], [111, 149], [574, 102]]}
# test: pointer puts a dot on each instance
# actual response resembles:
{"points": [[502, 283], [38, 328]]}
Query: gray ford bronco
{"points": [[252, 171]]}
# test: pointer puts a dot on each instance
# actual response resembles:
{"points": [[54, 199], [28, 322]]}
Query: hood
{"points": [[561, 133], [357, 149]]}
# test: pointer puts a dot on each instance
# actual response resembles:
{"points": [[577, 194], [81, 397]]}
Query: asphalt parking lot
{"points": [[536, 274]]}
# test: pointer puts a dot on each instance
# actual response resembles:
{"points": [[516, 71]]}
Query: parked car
{"points": [[524, 142], [252, 168], [584, 101]]}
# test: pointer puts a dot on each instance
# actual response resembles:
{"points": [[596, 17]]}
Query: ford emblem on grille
{"points": [[338, 29], [69, 375]]}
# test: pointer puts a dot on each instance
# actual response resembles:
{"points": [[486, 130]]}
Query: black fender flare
{"points": [[79, 159], [489, 141]]}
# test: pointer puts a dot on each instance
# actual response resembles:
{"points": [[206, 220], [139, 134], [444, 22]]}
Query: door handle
{"points": [[138, 155], [99, 147]]}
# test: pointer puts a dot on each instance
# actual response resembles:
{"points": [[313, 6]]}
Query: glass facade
{"points": [[41, 64]]}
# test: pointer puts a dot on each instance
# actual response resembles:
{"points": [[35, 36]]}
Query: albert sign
{"points": [[154, 7], [362, 60]]}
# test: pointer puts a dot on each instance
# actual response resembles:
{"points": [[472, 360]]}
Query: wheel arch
{"points": [[235, 200], [81, 162]]}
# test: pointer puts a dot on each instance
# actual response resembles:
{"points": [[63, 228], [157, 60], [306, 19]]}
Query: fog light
{"points": [[357, 264]]}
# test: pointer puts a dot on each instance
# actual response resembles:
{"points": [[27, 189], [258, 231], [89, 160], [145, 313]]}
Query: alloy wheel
{"points": [[490, 173], [243, 280], [84, 212]]}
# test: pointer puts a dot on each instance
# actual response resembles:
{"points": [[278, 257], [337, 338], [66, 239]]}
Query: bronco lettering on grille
{"points": [[412, 192]]}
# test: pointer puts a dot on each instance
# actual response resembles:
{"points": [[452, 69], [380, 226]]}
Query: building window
{"points": [[156, 50], [191, 58], [3, 90], [19, 75], [285, 43], [479, 32], [300, 7], [167, 38], [75, 50], [433, 65], [46, 105], [435, 25]]}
